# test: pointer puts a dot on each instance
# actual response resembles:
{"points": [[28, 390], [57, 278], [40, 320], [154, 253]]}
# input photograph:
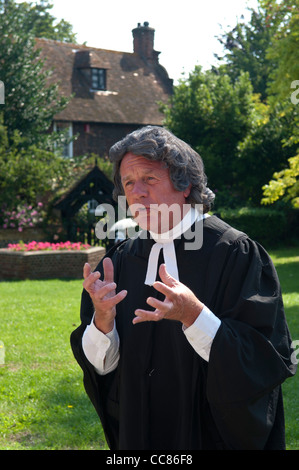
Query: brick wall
{"points": [[99, 137], [47, 264]]}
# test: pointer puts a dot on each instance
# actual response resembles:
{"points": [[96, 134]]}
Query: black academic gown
{"points": [[163, 395]]}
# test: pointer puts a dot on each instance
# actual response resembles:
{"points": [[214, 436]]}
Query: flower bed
{"points": [[42, 246], [47, 261]]}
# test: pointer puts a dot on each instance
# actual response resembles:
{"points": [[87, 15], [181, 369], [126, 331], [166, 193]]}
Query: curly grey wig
{"points": [[185, 165]]}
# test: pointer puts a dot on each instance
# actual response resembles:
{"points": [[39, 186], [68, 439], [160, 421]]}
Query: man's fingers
{"points": [[91, 279], [166, 277], [120, 296], [110, 302], [86, 270], [145, 315], [108, 270], [105, 290], [157, 304], [163, 288]]}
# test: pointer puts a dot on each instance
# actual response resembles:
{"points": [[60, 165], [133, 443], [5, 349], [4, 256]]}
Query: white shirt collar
{"points": [[165, 241]]}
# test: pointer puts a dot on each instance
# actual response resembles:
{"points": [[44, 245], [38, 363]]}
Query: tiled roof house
{"points": [[114, 92]]}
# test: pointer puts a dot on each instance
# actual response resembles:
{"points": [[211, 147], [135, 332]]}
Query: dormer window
{"points": [[98, 79]]}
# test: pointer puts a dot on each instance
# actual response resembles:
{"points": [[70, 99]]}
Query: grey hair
{"points": [[185, 165]]}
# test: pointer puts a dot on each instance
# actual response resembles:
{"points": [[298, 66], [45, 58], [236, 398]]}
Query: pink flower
{"points": [[36, 246]]}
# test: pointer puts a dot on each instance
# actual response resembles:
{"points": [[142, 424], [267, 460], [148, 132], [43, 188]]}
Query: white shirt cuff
{"points": [[202, 332], [101, 350]]}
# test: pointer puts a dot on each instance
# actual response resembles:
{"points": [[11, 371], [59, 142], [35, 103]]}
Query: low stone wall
{"points": [[47, 264]]}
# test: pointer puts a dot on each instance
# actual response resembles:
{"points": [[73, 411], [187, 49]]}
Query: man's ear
{"points": [[187, 191]]}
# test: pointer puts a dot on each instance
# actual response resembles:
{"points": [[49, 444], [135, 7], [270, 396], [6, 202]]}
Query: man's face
{"points": [[150, 193]]}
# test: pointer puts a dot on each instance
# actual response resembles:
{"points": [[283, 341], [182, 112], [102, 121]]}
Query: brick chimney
{"points": [[143, 37]]}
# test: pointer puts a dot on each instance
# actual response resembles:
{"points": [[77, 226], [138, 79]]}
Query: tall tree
{"points": [[213, 114], [28, 170], [262, 152], [283, 89], [30, 102], [37, 20], [27, 173], [283, 49], [245, 49], [238, 136]]}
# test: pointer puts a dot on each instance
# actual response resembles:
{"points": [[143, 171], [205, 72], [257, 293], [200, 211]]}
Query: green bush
{"points": [[266, 226]]}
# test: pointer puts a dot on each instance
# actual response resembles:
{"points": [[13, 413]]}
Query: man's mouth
{"points": [[141, 209]]}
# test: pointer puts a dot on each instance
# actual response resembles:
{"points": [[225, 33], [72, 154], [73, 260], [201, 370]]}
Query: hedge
{"points": [[269, 227]]}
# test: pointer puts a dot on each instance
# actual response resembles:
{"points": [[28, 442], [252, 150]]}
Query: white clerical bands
{"points": [[165, 241]]}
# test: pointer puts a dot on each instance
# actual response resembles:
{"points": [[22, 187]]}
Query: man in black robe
{"points": [[194, 359]]}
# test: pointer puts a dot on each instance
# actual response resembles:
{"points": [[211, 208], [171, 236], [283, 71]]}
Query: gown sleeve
{"points": [[250, 354]]}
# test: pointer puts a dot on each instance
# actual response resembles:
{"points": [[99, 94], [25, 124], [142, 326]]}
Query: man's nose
{"points": [[139, 189]]}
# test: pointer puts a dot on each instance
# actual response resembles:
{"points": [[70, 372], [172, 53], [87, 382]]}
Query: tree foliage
{"points": [[212, 114], [27, 174], [284, 185], [282, 84], [283, 48], [37, 20], [261, 153], [30, 102], [31, 166], [238, 136], [239, 116], [246, 48]]}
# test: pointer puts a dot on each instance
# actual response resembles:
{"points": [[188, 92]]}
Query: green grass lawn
{"points": [[42, 401], [43, 405], [287, 265]]}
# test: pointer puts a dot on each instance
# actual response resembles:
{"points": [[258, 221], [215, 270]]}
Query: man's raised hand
{"points": [[103, 294], [179, 303]]}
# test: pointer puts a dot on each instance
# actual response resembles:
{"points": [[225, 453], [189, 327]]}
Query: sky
{"points": [[186, 31]]}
